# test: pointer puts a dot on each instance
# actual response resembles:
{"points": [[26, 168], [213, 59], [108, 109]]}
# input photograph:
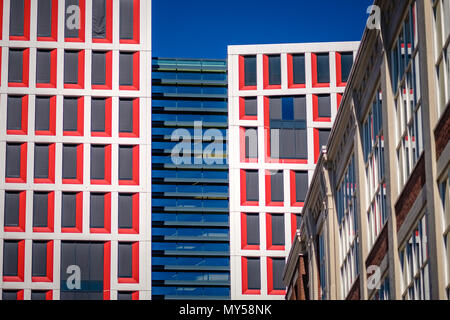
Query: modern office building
{"points": [[376, 219], [190, 213], [283, 100], [75, 97]]}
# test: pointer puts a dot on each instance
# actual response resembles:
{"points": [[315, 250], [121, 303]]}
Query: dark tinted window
{"points": [[98, 162], [250, 70], [252, 184], [69, 166], [298, 65], [346, 65], [69, 210], [43, 65], [126, 68], [15, 65], [126, 19], [251, 143], [323, 137], [14, 113], [252, 228], [41, 161], [99, 19], [12, 208], [277, 275], [98, 67], [42, 114], [251, 106], [324, 105], [10, 258], [97, 210], [70, 30], [125, 163], [40, 209], [13, 160], [253, 273], [17, 18], [277, 229], [44, 18], [323, 68], [39, 265], [276, 188], [70, 114], [301, 186], [98, 114], [71, 66], [125, 260], [274, 70], [125, 115], [125, 210]]}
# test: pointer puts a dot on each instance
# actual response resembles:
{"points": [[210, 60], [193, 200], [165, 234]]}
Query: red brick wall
{"points": [[354, 293], [379, 249], [442, 133]]}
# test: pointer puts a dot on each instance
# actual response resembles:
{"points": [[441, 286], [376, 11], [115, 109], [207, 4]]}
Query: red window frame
{"points": [[20, 265], [80, 120], [23, 166], [82, 30], [107, 215], [339, 100], [50, 215], [107, 179], [52, 120], [269, 235], [51, 166], [26, 23], [109, 24], [135, 133], [108, 73], [244, 245], [268, 190], [25, 71], [316, 117], [242, 145], [136, 73], [294, 218], [78, 216], [242, 115], [293, 188], [134, 265], [108, 120], [242, 85], [266, 73], [270, 289], [245, 289], [339, 81], [24, 122], [135, 217], [135, 180], [81, 62], [22, 214], [54, 32], [316, 84], [136, 25], [79, 178], [49, 275], [48, 294], [244, 201], [53, 67], [107, 270], [290, 66]]}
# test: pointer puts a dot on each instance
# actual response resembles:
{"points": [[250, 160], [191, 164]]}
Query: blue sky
{"points": [[204, 28]]}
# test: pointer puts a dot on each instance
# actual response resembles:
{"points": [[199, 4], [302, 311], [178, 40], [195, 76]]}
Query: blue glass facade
{"points": [[190, 214]]}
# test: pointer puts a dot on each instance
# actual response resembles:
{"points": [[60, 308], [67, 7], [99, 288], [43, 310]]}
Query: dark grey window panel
{"points": [[346, 65], [124, 295], [69, 166], [42, 113], [274, 70], [323, 137], [252, 185], [69, 32], [17, 18], [125, 115], [126, 19], [275, 110], [125, 211], [276, 188], [41, 161], [98, 114], [44, 18], [323, 68], [99, 19], [98, 67], [125, 163], [40, 209], [38, 294], [300, 108], [12, 208], [298, 65], [15, 65], [324, 105], [277, 276], [251, 106], [301, 186], [301, 144], [299, 220], [97, 162], [14, 113], [71, 67], [252, 228], [9, 295], [125, 260], [286, 143], [43, 66], [70, 114], [13, 160], [10, 258], [69, 210], [278, 229], [251, 143], [39, 264], [97, 210], [250, 70], [253, 274], [126, 68]]}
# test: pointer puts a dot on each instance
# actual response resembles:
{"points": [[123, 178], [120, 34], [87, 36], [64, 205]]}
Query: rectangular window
{"points": [[47, 20], [248, 108], [128, 70], [15, 211], [44, 163], [45, 116], [12, 295], [18, 67], [250, 231], [17, 115], [73, 116], [19, 20], [296, 222], [72, 167], [46, 68], [274, 188], [128, 118], [102, 70], [344, 63], [102, 21], [320, 69], [101, 114], [128, 213], [320, 140], [249, 188], [100, 164], [128, 165], [75, 20], [247, 73], [275, 231], [16, 163], [41, 295], [251, 275], [275, 269], [100, 212], [272, 71], [129, 25], [299, 187], [128, 262], [74, 69], [322, 107], [42, 262], [43, 211], [127, 295], [13, 260], [249, 144], [296, 70], [72, 212]]}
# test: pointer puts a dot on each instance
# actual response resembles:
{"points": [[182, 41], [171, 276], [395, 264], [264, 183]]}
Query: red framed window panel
{"points": [[299, 187], [247, 72], [250, 231], [101, 117], [74, 69], [128, 262], [15, 211], [46, 64], [45, 116], [13, 260], [100, 212], [129, 70], [72, 166], [75, 20], [44, 163], [128, 165], [17, 115], [249, 187], [16, 162], [296, 70], [320, 68], [248, 144], [321, 107], [129, 117], [12, 295], [18, 67], [344, 62], [272, 71], [47, 20], [101, 164], [19, 20], [320, 139], [296, 221], [73, 116], [107, 270], [248, 108], [42, 261], [128, 295], [72, 212], [275, 267], [275, 231], [128, 213], [339, 100], [102, 21], [43, 211], [129, 25], [251, 275], [274, 188], [41, 294], [101, 70]]}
